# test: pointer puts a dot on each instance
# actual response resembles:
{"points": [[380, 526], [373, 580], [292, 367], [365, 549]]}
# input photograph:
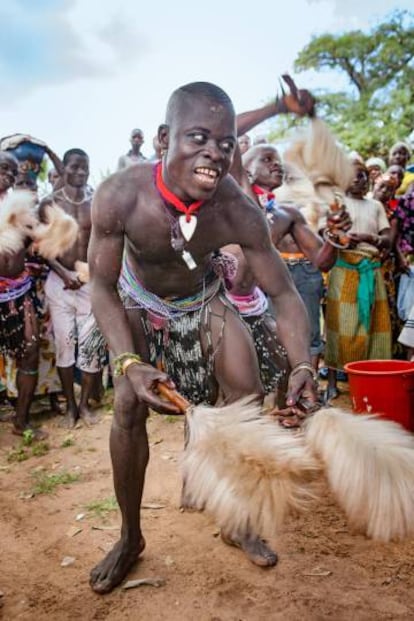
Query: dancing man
{"points": [[154, 233]]}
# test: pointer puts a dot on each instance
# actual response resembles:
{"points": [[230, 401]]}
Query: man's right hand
{"points": [[144, 379]]}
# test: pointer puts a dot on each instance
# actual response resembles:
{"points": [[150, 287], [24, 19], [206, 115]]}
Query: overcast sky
{"points": [[83, 73]]}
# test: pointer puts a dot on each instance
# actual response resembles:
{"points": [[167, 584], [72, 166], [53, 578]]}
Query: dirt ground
{"points": [[324, 572]]}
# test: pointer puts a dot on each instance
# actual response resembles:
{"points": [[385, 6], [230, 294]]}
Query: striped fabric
{"points": [[346, 338]]}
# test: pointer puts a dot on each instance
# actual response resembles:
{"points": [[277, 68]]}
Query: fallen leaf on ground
{"points": [[150, 505], [155, 582], [73, 530], [318, 572], [105, 527], [67, 560]]}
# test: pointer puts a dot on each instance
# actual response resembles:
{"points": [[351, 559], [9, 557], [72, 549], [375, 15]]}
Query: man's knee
{"points": [[129, 411]]}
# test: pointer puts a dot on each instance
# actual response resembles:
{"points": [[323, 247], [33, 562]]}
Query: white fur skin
{"points": [[369, 463], [316, 152], [245, 469], [57, 235], [250, 473], [17, 221]]}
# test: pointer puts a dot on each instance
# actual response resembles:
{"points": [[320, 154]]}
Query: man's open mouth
{"points": [[207, 175]]}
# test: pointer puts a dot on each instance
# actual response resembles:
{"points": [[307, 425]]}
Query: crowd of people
{"points": [[217, 267]]}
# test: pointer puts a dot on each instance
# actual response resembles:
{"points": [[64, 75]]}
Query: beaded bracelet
{"points": [[306, 366], [123, 361]]}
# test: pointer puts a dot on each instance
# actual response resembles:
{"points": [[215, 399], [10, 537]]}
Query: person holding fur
{"points": [[19, 227], [260, 175], [18, 318], [155, 231], [68, 294], [30, 153]]}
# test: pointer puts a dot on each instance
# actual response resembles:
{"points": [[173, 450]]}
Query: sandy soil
{"points": [[324, 572]]}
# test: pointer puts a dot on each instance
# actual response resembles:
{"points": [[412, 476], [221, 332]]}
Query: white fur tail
{"points": [[245, 469], [57, 235], [369, 463]]}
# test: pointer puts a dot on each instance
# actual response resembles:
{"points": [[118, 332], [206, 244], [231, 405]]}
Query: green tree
{"points": [[378, 108]]}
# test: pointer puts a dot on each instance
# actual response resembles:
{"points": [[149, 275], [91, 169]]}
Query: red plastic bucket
{"points": [[383, 387]]}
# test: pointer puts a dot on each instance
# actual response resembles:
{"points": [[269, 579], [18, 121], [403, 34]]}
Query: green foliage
{"points": [[40, 448], [101, 508], [18, 454], [23, 452], [45, 483], [28, 437], [68, 441], [378, 110]]}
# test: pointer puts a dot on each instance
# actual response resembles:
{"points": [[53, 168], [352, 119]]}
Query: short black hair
{"points": [[71, 152], [200, 89]]}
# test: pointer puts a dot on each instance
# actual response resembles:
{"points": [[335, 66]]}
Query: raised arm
{"points": [[298, 101]]}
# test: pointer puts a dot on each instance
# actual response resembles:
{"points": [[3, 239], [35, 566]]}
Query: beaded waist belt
{"points": [[13, 288], [167, 308]]}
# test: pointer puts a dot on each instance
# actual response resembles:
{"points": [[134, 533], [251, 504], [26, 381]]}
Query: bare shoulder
{"points": [[118, 195]]}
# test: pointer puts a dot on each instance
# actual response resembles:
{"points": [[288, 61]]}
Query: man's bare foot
{"points": [[256, 549], [330, 394], [88, 417], [70, 419], [38, 434], [115, 566]]}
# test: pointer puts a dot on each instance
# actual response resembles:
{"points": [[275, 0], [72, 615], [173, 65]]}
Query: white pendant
{"points": [[188, 259], [187, 227]]}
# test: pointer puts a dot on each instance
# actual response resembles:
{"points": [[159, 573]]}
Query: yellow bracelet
{"points": [[128, 363], [123, 361]]}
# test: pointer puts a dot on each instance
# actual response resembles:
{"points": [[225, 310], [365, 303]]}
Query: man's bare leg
{"points": [[26, 381], [129, 453], [67, 378], [236, 380], [87, 390], [27, 374]]}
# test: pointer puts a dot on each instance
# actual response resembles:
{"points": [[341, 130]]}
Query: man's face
{"points": [[26, 181], [374, 172], [137, 139], [200, 144], [244, 143], [383, 191], [397, 173], [359, 185], [76, 171], [266, 169], [8, 171], [399, 156]]}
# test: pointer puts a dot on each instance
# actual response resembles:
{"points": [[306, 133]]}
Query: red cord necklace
{"points": [[187, 222]]}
